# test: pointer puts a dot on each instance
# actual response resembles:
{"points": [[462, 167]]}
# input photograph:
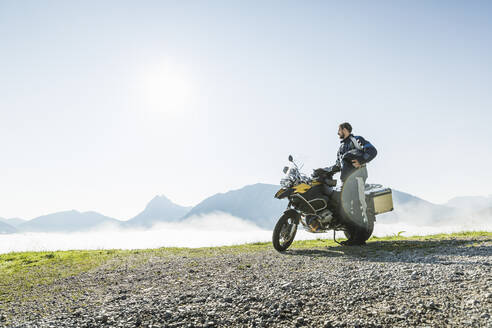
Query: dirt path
{"points": [[443, 283]]}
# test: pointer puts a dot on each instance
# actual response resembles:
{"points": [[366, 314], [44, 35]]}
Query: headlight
{"points": [[285, 182]]}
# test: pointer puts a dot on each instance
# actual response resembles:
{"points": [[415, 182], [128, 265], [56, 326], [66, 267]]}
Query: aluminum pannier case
{"points": [[382, 200]]}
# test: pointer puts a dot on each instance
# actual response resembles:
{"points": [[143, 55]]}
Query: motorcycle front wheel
{"points": [[284, 233]]}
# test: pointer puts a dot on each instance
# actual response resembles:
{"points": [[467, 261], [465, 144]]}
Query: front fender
{"points": [[283, 193], [293, 214]]}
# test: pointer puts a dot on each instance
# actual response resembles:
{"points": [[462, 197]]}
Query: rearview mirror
{"points": [[290, 158], [286, 169]]}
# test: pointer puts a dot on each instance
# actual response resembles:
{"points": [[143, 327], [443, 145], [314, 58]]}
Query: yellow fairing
{"points": [[280, 192], [302, 188]]}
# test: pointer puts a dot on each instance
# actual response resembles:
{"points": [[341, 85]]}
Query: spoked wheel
{"points": [[284, 233]]}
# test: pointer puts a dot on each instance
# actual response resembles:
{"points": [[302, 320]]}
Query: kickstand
{"points": [[334, 239]]}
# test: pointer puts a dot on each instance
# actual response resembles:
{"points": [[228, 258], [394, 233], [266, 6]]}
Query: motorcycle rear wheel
{"points": [[357, 235], [284, 232]]}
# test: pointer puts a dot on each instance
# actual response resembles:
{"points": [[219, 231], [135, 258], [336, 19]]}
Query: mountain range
{"points": [[6, 228], [67, 221], [13, 222], [470, 202], [253, 203]]}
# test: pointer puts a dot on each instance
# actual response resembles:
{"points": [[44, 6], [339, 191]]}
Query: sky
{"points": [[105, 104]]}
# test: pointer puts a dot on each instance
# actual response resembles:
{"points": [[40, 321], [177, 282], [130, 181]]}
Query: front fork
{"points": [[293, 214]]}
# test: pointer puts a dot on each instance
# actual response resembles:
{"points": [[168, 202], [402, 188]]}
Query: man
{"points": [[353, 155]]}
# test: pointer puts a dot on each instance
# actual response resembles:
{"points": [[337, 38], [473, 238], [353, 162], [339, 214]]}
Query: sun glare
{"points": [[166, 89]]}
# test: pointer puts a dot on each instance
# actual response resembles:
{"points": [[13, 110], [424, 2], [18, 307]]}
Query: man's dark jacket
{"points": [[364, 152]]}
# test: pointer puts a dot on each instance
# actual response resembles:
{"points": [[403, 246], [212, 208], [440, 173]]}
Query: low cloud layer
{"points": [[211, 230]]}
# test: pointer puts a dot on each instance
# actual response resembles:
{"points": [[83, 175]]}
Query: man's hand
{"points": [[356, 163]]}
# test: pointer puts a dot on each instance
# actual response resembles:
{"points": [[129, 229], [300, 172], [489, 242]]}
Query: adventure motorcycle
{"points": [[320, 206]]}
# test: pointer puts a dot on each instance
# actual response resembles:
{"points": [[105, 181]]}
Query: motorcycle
{"points": [[319, 206]]}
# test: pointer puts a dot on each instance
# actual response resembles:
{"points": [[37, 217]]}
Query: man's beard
{"points": [[341, 136]]}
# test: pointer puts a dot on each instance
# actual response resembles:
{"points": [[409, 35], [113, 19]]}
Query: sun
{"points": [[166, 88]]}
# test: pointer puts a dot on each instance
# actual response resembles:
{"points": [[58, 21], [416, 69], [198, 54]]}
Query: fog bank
{"points": [[217, 229]]}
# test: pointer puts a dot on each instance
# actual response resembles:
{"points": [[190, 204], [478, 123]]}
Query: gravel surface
{"points": [[384, 284]]}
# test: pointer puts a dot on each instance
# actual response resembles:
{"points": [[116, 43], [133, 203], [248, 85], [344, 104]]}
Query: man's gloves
{"points": [[353, 154], [318, 173], [326, 175], [326, 172], [333, 169]]}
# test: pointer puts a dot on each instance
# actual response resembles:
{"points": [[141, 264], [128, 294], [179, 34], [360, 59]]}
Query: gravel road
{"points": [[443, 283]]}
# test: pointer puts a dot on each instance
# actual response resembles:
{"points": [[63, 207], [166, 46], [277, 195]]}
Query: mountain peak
{"points": [[159, 197], [159, 201], [160, 208]]}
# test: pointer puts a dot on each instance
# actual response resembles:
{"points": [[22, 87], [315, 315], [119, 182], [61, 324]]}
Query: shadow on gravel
{"points": [[409, 251]]}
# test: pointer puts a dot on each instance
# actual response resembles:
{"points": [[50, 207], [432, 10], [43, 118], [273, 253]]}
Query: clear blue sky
{"points": [[104, 104]]}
